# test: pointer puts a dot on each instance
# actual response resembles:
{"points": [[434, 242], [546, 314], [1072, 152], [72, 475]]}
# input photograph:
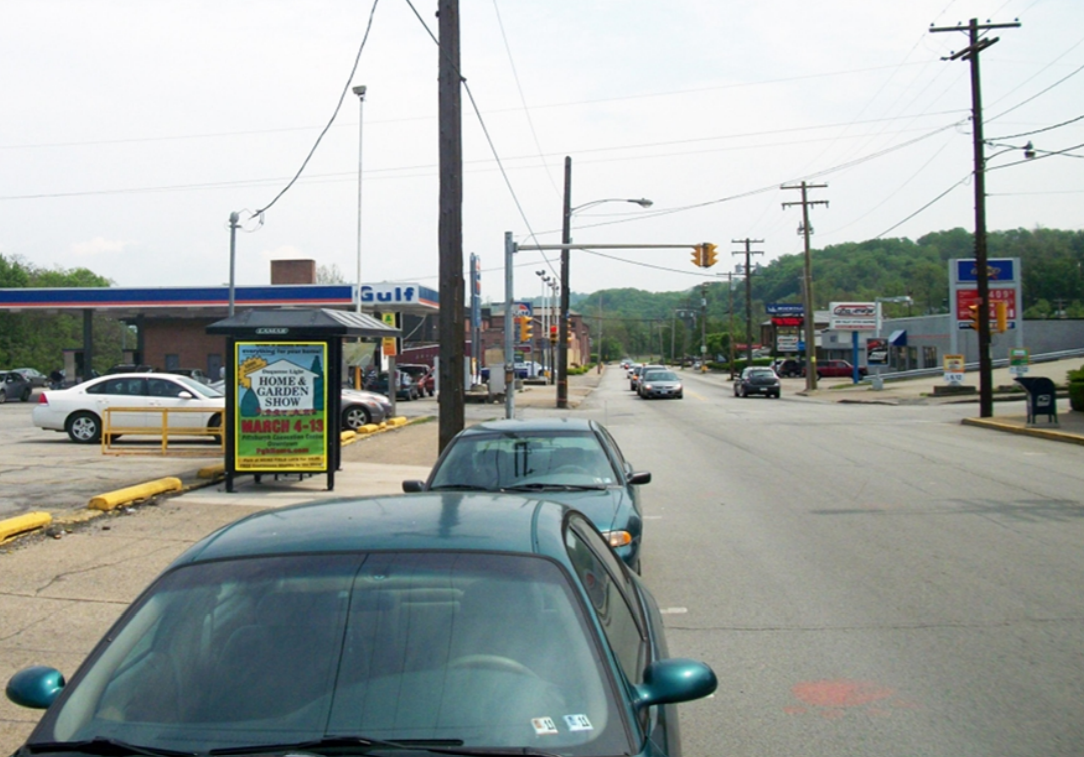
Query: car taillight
{"points": [[42, 399]]}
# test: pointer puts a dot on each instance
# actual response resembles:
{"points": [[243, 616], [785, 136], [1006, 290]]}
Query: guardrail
{"points": [[1046, 357], [163, 431]]}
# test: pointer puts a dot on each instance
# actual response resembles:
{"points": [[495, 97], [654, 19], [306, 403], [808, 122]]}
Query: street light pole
{"points": [[359, 90], [566, 239]]}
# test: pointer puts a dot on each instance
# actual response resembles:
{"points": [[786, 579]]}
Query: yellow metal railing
{"points": [[163, 431]]}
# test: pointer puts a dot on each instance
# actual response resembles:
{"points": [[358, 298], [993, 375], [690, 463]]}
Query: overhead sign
{"points": [[784, 308], [998, 270], [852, 316], [281, 407]]}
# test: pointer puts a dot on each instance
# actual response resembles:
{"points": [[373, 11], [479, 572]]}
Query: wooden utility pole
{"points": [[452, 325], [810, 331], [748, 293], [982, 274]]}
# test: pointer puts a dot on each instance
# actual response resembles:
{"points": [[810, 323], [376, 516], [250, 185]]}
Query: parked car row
{"points": [[495, 609], [14, 386]]}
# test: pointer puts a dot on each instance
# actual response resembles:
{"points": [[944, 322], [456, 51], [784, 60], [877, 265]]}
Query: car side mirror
{"points": [[640, 477], [675, 680], [35, 687], [411, 487], [185, 396]]}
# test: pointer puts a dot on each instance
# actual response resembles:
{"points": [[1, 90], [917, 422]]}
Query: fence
{"points": [[163, 431]]}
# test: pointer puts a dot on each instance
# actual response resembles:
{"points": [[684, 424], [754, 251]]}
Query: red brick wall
{"points": [[293, 272], [186, 338]]}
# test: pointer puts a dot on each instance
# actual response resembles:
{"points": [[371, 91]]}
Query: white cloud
{"points": [[99, 246]]}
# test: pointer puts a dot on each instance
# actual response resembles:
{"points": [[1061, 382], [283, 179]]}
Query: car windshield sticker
{"points": [[544, 726], [578, 723]]}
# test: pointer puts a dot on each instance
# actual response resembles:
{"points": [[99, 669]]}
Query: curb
{"points": [[114, 499], [1042, 433], [23, 525]]}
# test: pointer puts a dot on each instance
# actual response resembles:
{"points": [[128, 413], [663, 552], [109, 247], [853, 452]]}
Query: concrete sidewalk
{"points": [[1010, 407]]}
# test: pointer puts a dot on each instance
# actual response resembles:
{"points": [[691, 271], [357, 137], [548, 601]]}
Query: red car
{"points": [[837, 369]]}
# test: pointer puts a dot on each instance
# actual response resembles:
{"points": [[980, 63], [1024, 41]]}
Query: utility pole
{"points": [[450, 232], [703, 325], [748, 293], [982, 274], [810, 331], [562, 313]]}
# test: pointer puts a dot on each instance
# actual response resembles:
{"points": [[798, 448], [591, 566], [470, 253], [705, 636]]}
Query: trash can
{"points": [[1042, 398]]}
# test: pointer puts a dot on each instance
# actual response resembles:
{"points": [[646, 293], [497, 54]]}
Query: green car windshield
{"points": [[512, 461], [447, 649]]}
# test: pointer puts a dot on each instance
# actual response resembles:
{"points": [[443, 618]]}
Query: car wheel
{"points": [[84, 428], [214, 424], [355, 416], [820, 375], [3, 396], [26, 395], [679, 395]]}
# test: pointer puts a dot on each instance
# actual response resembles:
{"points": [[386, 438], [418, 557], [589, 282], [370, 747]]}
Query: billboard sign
{"points": [[522, 310], [281, 407], [852, 316], [784, 308], [965, 298], [998, 270]]}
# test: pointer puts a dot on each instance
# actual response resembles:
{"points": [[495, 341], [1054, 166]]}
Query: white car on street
{"points": [[80, 410]]}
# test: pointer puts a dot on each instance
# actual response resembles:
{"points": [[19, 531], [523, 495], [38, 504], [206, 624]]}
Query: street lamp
{"points": [[566, 239], [359, 90]]}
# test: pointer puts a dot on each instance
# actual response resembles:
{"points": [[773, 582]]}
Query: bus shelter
{"points": [[283, 389]]}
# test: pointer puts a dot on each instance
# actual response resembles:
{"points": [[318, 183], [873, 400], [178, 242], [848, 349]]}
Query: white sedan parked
{"points": [[80, 409]]}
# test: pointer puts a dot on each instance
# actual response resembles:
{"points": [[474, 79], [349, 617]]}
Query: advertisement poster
{"points": [[281, 411]]}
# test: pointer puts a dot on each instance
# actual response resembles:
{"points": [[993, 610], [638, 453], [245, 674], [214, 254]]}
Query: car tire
{"points": [[26, 395], [3, 396], [356, 416], [214, 423], [84, 428], [680, 395]]}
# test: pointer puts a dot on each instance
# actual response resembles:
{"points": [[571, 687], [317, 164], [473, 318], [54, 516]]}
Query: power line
{"points": [[338, 106]]}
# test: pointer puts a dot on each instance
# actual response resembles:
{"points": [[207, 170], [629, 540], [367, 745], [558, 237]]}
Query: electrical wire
{"points": [[522, 97], [338, 106], [485, 133], [964, 180], [1037, 131]]}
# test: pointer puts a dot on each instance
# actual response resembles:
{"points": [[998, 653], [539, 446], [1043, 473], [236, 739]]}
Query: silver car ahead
{"points": [[660, 383]]}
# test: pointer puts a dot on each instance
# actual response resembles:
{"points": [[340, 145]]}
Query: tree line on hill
{"points": [[635, 322]]}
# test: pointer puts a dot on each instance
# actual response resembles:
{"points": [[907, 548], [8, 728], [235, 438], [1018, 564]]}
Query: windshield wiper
{"points": [[105, 748], [334, 744], [554, 487], [458, 487]]}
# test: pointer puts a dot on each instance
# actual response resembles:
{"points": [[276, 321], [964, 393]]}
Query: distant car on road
{"points": [[80, 410], [406, 389], [757, 379], [660, 383], [788, 367], [837, 369], [570, 460], [14, 386]]}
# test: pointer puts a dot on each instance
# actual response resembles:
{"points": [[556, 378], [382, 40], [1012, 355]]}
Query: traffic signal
{"points": [[1001, 311], [698, 256], [708, 254], [553, 335], [973, 313], [525, 329]]}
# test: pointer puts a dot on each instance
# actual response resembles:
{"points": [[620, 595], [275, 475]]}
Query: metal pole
{"points": [[673, 328], [509, 344], [810, 343], [562, 328], [360, 92], [234, 217], [986, 384], [703, 324]]}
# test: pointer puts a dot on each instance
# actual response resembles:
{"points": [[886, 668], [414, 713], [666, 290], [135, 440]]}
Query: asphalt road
{"points": [[864, 579]]}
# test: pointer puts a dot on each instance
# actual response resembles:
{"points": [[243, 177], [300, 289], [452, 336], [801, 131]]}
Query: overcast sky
{"points": [[133, 128]]}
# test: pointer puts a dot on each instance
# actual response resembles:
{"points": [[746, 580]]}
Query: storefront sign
{"points": [[852, 316], [281, 410]]}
